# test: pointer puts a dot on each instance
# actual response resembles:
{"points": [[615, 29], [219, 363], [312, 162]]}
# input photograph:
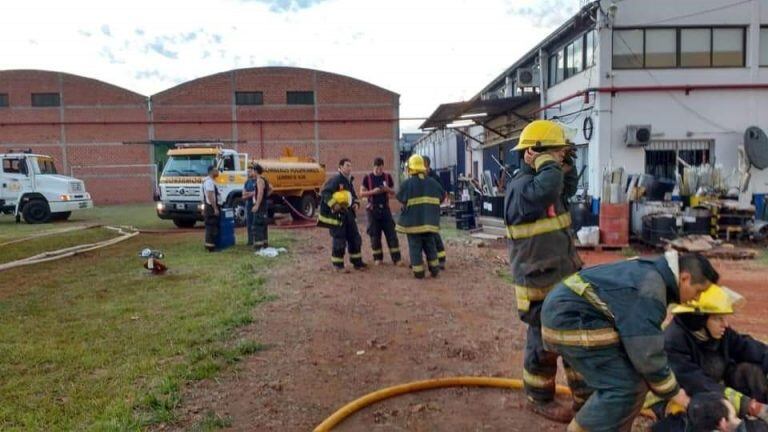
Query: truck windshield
{"points": [[43, 166], [188, 166]]}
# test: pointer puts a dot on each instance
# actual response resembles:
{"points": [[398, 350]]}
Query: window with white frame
{"points": [[764, 46], [572, 58]]}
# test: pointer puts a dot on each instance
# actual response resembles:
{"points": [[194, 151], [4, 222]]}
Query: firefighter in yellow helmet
{"points": [[337, 213], [420, 217], [541, 250], [707, 355]]}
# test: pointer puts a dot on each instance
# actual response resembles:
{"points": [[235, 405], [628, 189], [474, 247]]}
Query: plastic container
{"points": [[226, 237], [760, 207], [614, 224], [589, 235], [465, 222]]}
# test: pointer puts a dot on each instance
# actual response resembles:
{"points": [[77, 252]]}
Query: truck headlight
{"points": [[64, 197], [200, 207], [160, 206]]}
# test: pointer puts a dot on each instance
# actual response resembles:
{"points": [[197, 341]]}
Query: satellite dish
{"points": [[756, 145]]}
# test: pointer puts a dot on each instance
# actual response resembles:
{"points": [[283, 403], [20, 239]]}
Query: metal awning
{"points": [[478, 110], [444, 115]]}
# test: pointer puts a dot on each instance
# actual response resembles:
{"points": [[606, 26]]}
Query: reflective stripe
{"points": [[337, 260], [417, 268], [210, 244], [329, 221], [394, 250], [377, 251], [331, 202], [434, 263], [734, 397], [419, 229], [538, 381], [357, 255], [441, 254], [541, 160], [665, 386], [583, 338], [422, 200], [526, 295], [541, 226], [583, 289]]}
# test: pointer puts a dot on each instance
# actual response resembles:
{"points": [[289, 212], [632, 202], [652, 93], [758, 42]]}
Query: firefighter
{"points": [[541, 252], [605, 322], [707, 355], [378, 187], [337, 212], [211, 208], [710, 411], [259, 227], [420, 217], [441, 256], [249, 191]]}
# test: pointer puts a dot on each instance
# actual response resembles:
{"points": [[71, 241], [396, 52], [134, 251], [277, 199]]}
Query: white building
{"points": [[694, 71]]}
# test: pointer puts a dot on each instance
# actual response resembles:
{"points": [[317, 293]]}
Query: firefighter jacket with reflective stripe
{"points": [[420, 196], [328, 218], [628, 299], [688, 360], [541, 247]]}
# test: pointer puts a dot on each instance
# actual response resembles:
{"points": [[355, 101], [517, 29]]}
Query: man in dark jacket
{"points": [[541, 251], [606, 323], [441, 256], [337, 212], [707, 355], [420, 217], [378, 187]]}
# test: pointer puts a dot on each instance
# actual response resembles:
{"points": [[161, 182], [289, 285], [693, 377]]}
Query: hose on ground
{"points": [[389, 392], [295, 212]]}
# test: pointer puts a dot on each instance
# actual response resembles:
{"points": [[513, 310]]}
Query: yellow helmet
{"points": [[716, 300], [541, 133], [342, 198], [416, 165]]}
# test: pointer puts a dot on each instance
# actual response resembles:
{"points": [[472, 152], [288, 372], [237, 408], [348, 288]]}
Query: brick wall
{"points": [[350, 118]]}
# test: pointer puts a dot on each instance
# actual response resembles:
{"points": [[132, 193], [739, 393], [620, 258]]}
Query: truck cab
{"points": [[181, 181], [31, 187]]}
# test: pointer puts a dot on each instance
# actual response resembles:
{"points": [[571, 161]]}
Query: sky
{"points": [[428, 51]]}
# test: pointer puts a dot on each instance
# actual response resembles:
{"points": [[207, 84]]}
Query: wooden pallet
{"points": [[601, 247]]}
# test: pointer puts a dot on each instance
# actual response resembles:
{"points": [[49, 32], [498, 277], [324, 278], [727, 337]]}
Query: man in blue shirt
{"points": [[249, 191]]}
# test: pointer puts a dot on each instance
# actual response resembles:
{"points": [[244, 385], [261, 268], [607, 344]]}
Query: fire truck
{"points": [[295, 183]]}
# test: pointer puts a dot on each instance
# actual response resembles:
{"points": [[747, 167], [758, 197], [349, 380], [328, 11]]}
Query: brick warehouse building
{"points": [[114, 139]]}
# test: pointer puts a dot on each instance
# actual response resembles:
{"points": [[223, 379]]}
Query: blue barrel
{"points": [[226, 236], [760, 206]]}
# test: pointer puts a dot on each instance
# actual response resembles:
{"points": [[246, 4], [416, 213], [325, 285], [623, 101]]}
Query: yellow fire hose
{"points": [[389, 392]]}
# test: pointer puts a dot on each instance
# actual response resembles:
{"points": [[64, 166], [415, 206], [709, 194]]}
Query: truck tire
{"points": [[61, 216], [184, 223], [36, 211], [308, 205]]}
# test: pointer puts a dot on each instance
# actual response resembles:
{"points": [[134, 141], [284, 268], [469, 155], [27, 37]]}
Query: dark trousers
{"points": [[419, 244], [380, 222], [616, 390], [249, 224], [540, 367], [346, 237], [211, 227], [258, 231], [440, 249]]}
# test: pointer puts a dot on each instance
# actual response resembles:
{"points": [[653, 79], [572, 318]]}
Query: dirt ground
{"points": [[332, 338]]}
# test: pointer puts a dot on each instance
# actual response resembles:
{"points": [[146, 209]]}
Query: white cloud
{"points": [[430, 51]]}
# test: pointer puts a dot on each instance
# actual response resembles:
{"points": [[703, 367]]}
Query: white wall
{"points": [[440, 147]]}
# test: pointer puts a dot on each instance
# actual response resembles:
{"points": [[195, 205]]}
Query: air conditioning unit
{"points": [[638, 135], [528, 77]]}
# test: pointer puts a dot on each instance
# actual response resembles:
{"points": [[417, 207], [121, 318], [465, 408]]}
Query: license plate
{"points": [[180, 206], [83, 205]]}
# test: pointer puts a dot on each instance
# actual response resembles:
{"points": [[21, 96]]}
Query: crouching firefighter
{"points": [[420, 217], [606, 323], [707, 355], [541, 251], [337, 212]]}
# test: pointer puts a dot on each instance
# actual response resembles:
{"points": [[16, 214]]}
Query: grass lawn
{"points": [[93, 342], [53, 242]]}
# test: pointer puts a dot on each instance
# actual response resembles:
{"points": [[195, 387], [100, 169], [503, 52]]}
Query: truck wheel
{"points": [[61, 216], [184, 223], [308, 205], [36, 211]]}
